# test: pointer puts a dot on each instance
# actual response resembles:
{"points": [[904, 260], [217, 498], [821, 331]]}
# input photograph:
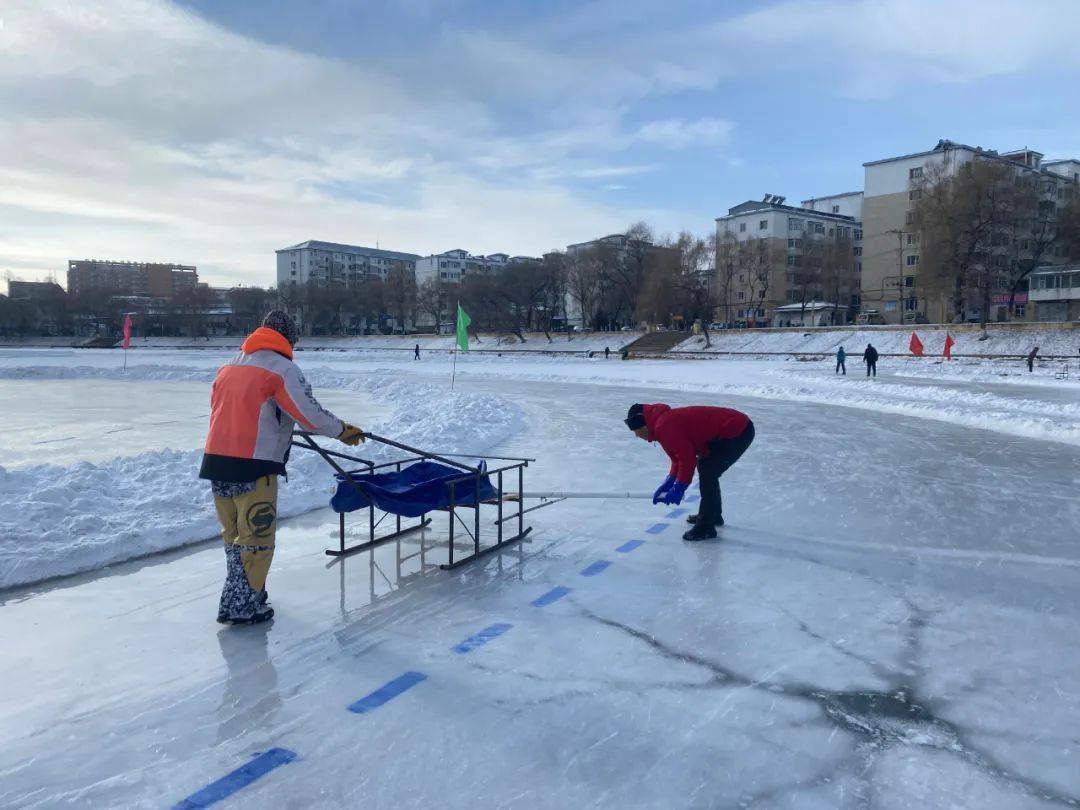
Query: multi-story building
{"points": [[892, 238], [157, 280], [618, 248], [329, 264], [1055, 293], [35, 291], [773, 255], [454, 265]]}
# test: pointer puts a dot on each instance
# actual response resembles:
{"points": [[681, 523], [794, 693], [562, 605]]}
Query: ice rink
{"points": [[889, 619]]}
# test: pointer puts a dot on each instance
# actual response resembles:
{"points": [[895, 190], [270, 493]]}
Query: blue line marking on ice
{"points": [[554, 595], [243, 776], [481, 638], [387, 692], [656, 528], [595, 568], [630, 545], [674, 513]]}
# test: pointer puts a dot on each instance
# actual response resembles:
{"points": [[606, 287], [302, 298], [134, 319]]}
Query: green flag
{"points": [[463, 321]]}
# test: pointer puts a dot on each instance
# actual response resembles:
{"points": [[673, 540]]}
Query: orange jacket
{"points": [[256, 400]]}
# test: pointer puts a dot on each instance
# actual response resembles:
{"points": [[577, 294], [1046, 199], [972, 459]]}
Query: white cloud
{"points": [[134, 129], [678, 134], [870, 48]]}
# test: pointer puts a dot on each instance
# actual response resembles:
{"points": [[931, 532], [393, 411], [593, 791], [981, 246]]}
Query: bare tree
{"points": [[726, 251], [584, 276], [432, 298]]}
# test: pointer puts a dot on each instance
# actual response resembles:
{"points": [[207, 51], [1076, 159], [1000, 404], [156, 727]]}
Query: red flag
{"points": [[127, 331], [949, 343], [915, 345]]}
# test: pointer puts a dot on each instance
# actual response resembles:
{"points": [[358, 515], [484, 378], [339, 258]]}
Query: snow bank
{"points": [[63, 520], [534, 342], [1000, 340]]}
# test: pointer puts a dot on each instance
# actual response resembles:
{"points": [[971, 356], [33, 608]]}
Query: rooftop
{"points": [[315, 244]]}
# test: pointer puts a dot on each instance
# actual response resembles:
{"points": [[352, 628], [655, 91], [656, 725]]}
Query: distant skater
{"points": [[841, 357], [1031, 359], [712, 439], [870, 358], [416, 352], [607, 352]]}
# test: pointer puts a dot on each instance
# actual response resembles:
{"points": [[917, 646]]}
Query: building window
{"points": [[742, 227], [912, 238], [912, 261], [913, 173], [1018, 310], [915, 194], [909, 281], [793, 261], [858, 234], [763, 224], [741, 296], [857, 250], [795, 225], [836, 209], [911, 304]]}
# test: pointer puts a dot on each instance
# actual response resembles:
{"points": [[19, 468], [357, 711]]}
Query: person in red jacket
{"points": [[711, 439]]}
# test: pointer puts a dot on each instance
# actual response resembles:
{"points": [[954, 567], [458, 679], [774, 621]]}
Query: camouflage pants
{"points": [[248, 515]]}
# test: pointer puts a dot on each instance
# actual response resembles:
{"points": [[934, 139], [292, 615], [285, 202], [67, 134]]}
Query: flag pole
{"points": [[453, 373]]}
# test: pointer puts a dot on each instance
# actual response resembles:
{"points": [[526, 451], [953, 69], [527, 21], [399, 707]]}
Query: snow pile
{"points": [[62, 520], [1005, 341]]}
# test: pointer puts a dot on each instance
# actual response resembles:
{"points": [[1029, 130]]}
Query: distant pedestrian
{"points": [[841, 357], [870, 358], [607, 352], [1031, 359], [416, 352]]}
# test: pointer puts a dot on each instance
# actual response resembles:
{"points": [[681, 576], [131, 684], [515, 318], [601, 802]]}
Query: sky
{"points": [[213, 133]]}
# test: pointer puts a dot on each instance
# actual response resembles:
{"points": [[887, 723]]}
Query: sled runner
{"points": [[421, 483]]}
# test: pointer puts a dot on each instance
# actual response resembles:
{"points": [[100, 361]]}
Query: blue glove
{"points": [[662, 490], [675, 494]]}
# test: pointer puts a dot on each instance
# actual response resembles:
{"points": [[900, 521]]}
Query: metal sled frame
{"points": [[516, 467]]}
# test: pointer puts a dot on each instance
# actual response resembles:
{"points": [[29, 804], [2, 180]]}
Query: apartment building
{"points": [[1055, 293], [454, 265], [617, 248], [328, 264], [892, 240], [153, 279], [773, 255]]}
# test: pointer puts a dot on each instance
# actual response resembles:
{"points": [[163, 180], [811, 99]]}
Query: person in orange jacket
{"points": [[708, 438], [257, 398]]}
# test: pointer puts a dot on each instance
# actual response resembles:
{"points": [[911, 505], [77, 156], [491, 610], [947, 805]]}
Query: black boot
{"points": [[261, 614], [693, 520], [700, 532]]}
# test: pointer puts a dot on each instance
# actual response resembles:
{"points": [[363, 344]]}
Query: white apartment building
{"points": [[331, 263], [454, 265], [848, 204], [766, 276], [891, 244]]}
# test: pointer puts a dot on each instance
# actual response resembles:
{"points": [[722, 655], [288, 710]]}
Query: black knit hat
{"points": [[280, 322], [635, 417]]}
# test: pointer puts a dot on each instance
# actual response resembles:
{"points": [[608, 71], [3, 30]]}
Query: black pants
{"points": [[871, 366], [722, 454], [840, 365]]}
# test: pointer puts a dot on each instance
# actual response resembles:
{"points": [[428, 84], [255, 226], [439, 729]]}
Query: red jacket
{"points": [[685, 433]]}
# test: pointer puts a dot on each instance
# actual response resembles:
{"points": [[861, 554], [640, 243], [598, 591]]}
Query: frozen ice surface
{"points": [[888, 621]]}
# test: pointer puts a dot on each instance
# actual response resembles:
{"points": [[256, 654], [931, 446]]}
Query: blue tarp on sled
{"points": [[416, 490]]}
